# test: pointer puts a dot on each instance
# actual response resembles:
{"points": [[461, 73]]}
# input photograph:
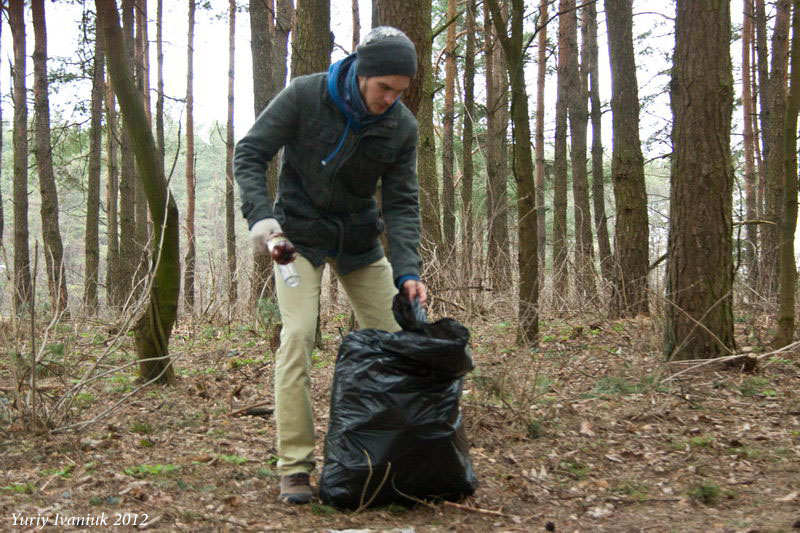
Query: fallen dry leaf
{"points": [[586, 429]]}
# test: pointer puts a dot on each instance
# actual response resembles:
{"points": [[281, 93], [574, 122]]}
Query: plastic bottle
{"points": [[283, 253]]}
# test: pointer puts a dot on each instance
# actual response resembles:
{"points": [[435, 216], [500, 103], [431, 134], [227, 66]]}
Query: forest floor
{"points": [[590, 431]]}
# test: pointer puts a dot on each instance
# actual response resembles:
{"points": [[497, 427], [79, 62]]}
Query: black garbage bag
{"points": [[395, 429]]}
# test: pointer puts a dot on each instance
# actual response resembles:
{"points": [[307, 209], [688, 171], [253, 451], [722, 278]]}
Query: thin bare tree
{"points": [[750, 188], [448, 127], [541, 73], [467, 139], [589, 33], [92, 239], [23, 294], [585, 283], [230, 228], [189, 259], [43, 150], [560, 164], [498, 248]]}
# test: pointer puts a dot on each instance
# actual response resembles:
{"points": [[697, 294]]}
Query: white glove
{"points": [[262, 231]]}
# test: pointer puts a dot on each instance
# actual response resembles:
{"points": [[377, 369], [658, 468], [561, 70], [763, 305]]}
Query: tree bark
{"points": [[154, 327], [598, 179], [356, 26], [160, 81], [189, 259], [413, 17], [143, 55], [560, 273], [528, 310], [762, 62], [751, 230], [773, 194], [631, 233], [2, 215], [786, 267], [312, 41], [129, 248], [142, 78], [467, 246], [498, 250], [92, 240], [114, 287], [51, 235], [23, 294], [230, 218], [269, 30], [578, 123], [541, 73], [448, 124], [699, 319]]}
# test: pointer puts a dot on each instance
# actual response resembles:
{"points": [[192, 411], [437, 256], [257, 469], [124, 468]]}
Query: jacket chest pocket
{"points": [[318, 136], [362, 173]]}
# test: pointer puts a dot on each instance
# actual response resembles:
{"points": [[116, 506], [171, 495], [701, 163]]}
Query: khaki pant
{"points": [[370, 290]]}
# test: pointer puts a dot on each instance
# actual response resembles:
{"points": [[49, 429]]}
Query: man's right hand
{"points": [[262, 231]]}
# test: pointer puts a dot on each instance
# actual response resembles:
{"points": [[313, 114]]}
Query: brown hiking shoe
{"points": [[295, 488]]}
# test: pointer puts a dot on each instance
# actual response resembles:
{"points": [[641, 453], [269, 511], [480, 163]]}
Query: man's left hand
{"points": [[415, 289]]}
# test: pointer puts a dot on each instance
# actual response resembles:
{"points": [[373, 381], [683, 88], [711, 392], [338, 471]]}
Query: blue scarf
{"points": [[344, 91]]}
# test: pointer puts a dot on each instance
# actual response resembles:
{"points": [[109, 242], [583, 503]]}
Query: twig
{"points": [[697, 363], [478, 510], [245, 409], [363, 505]]}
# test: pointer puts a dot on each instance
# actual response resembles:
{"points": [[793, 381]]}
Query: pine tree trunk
{"points": [[598, 179], [154, 327], [413, 17], [541, 73], [498, 252], [578, 123], [230, 219], [699, 319], [143, 56], [762, 63], [129, 248], [448, 124], [787, 269], [51, 235], [92, 240], [23, 294], [2, 215], [189, 259], [269, 30], [751, 230], [160, 81], [773, 194], [560, 274], [467, 245], [142, 78], [356, 26], [114, 289], [312, 43], [528, 310], [312, 53], [631, 232]]}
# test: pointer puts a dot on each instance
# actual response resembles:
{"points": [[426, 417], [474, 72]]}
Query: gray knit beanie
{"points": [[386, 51]]}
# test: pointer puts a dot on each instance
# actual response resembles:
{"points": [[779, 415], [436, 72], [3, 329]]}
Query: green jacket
{"points": [[330, 210]]}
